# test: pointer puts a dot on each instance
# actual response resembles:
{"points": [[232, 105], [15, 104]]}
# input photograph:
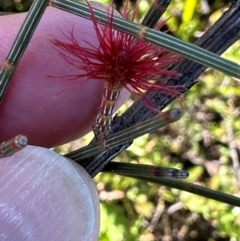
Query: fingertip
{"points": [[44, 196], [50, 111]]}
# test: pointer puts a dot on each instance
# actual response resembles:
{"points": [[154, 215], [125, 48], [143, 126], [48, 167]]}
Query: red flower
{"points": [[120, 60]]}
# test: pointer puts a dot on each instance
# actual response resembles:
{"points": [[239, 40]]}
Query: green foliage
{"points": [[115, 220]]}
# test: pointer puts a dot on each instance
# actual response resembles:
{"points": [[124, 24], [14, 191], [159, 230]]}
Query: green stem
{"points": [[155, 12], [194, 189], [141, 170], [126, 135], [155, 37], [20, 44]]}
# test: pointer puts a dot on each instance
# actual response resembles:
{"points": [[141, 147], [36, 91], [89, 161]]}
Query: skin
{"points": [[44, 196], [41, 102]]}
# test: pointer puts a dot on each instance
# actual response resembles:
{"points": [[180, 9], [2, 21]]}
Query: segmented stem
{"points": [[141, 170], [157, 9], [126, 135], [17, 143], [20, 44], [102, 126], [194, 189], [155, 37]]}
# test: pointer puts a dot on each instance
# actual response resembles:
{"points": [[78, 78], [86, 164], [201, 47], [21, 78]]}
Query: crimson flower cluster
{"points": [[120, 61]]}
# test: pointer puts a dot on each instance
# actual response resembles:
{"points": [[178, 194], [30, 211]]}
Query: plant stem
{"points": [[155, 37], [194, 189], [140, 170], [17, 143], [214, 40], [122, 137], [20, 44], [158, 7]]}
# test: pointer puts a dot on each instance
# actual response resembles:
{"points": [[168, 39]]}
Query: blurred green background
{"points": [[206, 142], [9, 6]]}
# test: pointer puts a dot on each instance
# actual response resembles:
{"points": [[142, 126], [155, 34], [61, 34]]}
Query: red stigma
{"points": [[120, 60]]}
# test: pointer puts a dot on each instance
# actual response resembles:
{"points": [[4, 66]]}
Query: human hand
{"points": [[54, 110], [44, 196]]}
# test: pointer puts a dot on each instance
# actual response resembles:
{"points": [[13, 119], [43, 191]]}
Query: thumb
{"points": [[44, 196]]}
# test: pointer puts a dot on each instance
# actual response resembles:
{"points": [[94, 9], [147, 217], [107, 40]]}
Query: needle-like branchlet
{"points": [[8, 148], [120, 61]]}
